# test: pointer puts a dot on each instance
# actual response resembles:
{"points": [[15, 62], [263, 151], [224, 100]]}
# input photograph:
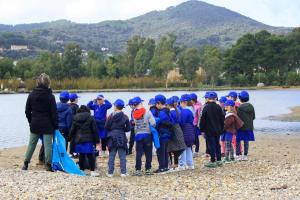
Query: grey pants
{"points": [[33, 140], [111, 161], [229, 150]]}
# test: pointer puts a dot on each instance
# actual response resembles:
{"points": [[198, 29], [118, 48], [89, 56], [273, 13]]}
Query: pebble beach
{"points": [[272, 172]]}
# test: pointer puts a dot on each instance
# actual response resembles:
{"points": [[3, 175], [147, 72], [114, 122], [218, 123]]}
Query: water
{"points": [[15, 131]]}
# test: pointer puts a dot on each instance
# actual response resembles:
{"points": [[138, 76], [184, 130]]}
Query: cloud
{"points": [[272, 12]]}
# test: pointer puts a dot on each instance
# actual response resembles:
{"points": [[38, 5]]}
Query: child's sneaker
{"points": [[191, 167], [226, 161], [148, 172], [158, 171], [109, 175], [245, 158], [219, 163], [238, 158], [137, 173], [180, 168], [94, 174], [124, 175], [211, 165]]}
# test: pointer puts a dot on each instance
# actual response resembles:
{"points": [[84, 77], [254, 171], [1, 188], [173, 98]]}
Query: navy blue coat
{"points": [[64, 116], [186, 124]]}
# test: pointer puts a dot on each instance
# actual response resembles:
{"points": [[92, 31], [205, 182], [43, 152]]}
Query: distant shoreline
{"points": [[292, 116], [162, 89]]}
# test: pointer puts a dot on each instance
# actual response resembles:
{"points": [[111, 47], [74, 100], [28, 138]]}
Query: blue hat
{"points": [[170, 101], [73, 96], [244, 95], [100, 96], [130, 102], [232, 94], [212, 95], [119, 103], [193, 96], [64, 95], [152, 101], [160, 98], [176, 99], [206, 95], [223, 99], [137, 100], [230, 103], [185, 97]]}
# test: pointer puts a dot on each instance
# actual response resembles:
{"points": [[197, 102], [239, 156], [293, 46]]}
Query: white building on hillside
{"points": [[18, 47]]}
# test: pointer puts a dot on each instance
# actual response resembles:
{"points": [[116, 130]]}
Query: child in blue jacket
{"points": [[100, 107], [64, 115]]}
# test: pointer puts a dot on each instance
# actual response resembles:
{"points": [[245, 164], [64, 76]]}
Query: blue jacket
{"points": [[64, 116], [187, 126], [174, 117], [100, 112], [165, 124]]}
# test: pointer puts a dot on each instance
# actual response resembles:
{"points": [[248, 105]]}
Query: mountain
{"points": [[195, 23]]}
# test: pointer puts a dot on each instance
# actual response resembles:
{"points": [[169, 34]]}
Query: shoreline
{"points": [[292, 116], [269, 175], [162, 89]]}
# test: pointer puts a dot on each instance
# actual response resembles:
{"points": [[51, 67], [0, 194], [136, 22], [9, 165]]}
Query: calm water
{"points": [[14, 130]]}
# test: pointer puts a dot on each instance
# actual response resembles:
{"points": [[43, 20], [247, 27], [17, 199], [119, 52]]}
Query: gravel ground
{"points": [[272, 172]]}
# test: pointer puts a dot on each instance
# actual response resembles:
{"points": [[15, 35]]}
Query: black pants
{"points": [[143, 146], [103, 144], [42, 154], [65, 133], [72, 146], [131, 140], [197, 143], [176, 156], [214, 147], [162, 155], [91, 161], [206, 145]]}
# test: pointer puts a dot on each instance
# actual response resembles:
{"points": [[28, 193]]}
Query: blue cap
{"points": [[100, 96], [170, 101], [206, 95], [185, 97], [244, 95], [230, 103], [160, 98], [137, 100], [119, 103], [130, 102], [223, 99], [73, 96], [64, 95], [193, 96], [212, 95], [176, 99], [152, 101], [232, 94]]}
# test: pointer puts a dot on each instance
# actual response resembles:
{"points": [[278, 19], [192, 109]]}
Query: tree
{"points": [[6, 66], [189, 63], [211, 60], [72, 60], [23, 68], [95, 66]]}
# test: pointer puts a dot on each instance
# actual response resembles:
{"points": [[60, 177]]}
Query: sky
{"points": [[271, 12]]}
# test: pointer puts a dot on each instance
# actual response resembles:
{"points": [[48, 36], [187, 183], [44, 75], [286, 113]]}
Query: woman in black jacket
{"points": [[42, 117], [84, 134]]}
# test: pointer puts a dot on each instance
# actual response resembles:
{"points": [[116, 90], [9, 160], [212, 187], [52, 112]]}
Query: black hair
{"points": [[119, 107], [63, 100], [82, 109], [244, 100]]}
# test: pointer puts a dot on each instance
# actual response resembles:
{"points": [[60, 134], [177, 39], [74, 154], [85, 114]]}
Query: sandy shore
{"points": [[293, 116], [273, 172]]}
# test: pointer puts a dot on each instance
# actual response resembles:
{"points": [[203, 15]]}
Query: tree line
{"points": [[260, 57]]}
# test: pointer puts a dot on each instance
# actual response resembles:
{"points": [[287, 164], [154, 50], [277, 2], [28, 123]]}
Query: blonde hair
{"points": [[43, 80]]}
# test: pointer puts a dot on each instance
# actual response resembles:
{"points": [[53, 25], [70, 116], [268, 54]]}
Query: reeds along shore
{"points": [[271, 173]]}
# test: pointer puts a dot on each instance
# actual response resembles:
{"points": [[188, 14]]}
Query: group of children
{"points": [[177, 123]]}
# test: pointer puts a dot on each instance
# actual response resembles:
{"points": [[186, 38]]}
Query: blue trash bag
{"points": [[60, 158], [155, 136]]}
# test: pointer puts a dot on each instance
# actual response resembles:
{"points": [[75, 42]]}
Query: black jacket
{"points": [[247, 114], [84, 129], [41, 111], [74, 107], [212, 119], [117, 125]]}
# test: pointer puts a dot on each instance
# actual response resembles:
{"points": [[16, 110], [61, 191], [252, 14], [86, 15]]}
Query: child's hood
{"points": [[82, 117], [139, 113], [117, 116], [62, 107], [246, 107]]}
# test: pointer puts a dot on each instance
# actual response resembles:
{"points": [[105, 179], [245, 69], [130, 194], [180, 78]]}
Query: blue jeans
{"points": [[214, 147], [162, 155], [186, 158], [111, 160], [143, 146]]}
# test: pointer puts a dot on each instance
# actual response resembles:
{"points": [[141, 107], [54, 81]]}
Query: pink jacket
{"points": [[197, 107]]}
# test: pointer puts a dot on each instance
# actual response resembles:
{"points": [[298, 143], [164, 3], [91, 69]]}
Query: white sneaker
{"points": [[124, 175], [245, 158], [196, 154], [109, 175], [190, 167], [181, 168], [94, 174]]}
